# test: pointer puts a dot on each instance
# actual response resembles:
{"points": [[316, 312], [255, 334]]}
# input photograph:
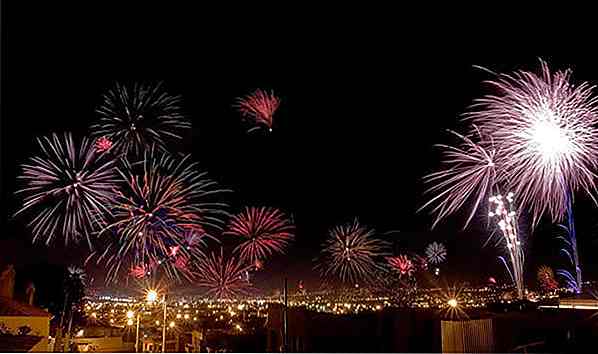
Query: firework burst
{"points": [[137, 117], [436, 253], [402, 264], [350, 252], [263, 231], [470, 173], [161, 215], [68, 188], [223, 278], [546, 278], [259, 106], [547, 132]]}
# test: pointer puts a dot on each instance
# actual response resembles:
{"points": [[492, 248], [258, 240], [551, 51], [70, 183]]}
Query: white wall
{"points": [[40, 326]]}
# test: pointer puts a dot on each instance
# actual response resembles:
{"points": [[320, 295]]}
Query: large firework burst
{"points": [[163, 208], [351, 253], [223, 278], [68, 187], [259, 106], [547, 131], [137, 117], [263, 231], [470, 174], [436, 253]]}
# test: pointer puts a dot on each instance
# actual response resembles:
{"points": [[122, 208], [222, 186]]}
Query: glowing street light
{"points": [[453, 303], [130, 314], [152, 295], [171, 325], [129, 322]]}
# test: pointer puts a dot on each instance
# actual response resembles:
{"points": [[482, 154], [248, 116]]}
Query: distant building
{"points": [[99, 337], [23, 327]]}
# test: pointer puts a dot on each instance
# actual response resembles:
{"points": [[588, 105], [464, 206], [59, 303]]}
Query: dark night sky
{"points": [[364, 100]]}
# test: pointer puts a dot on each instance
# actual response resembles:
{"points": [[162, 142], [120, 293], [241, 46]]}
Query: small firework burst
{"points": [[263, 231], [259, 106], [137, 117], [351, 252], [223, 278], [103, 144], [68, 187], [436, 253], [403, 264], [546, 278]]}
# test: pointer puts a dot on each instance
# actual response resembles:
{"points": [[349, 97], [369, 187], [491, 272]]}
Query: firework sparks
{"points": [[546, 278], [68, 188], [263, 231], [470, 173], [547, 132], [135, 118], [161, 214], [350, 252], [506, 220], [103, 144], [436, 253], [259, 106], [223, 278], [403, 264]]}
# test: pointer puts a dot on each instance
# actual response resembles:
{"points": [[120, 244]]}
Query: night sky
{"points": [[364, 99]]}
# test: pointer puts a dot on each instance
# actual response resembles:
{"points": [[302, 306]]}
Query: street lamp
{"points": [[151, 296]]}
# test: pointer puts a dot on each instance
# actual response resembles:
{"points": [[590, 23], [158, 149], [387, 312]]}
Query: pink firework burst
{"points": [[223, 278], [469, 175], [259, 106], [546, 130], [103, 144], [263, 231], [402, 264]]}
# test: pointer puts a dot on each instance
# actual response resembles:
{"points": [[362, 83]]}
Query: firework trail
{"points": [[547, 132], [223, 278], [137, 117], [436, 253], [163, 211], [259, 106], [470, 173], [570, 251], [506, 220], [546, 278], [403, 264], [263, 231], [67, 187], [350, 252]]}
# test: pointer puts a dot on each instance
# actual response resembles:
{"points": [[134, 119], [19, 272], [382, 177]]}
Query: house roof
{"points": [[18, 344], [11, 307]]}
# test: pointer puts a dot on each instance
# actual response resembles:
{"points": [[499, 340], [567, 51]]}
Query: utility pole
{"points": [[285, 318]]}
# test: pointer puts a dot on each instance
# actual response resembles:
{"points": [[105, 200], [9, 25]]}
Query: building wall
{"points": [[40, 326]]}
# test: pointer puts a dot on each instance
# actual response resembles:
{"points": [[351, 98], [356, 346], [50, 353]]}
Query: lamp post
{"points": [[151, 296], [164, 325]]}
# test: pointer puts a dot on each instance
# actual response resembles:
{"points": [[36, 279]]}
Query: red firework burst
{"points": [[103, 144], [402, 264], [223, 278], [264, 231], [259, 106]]}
